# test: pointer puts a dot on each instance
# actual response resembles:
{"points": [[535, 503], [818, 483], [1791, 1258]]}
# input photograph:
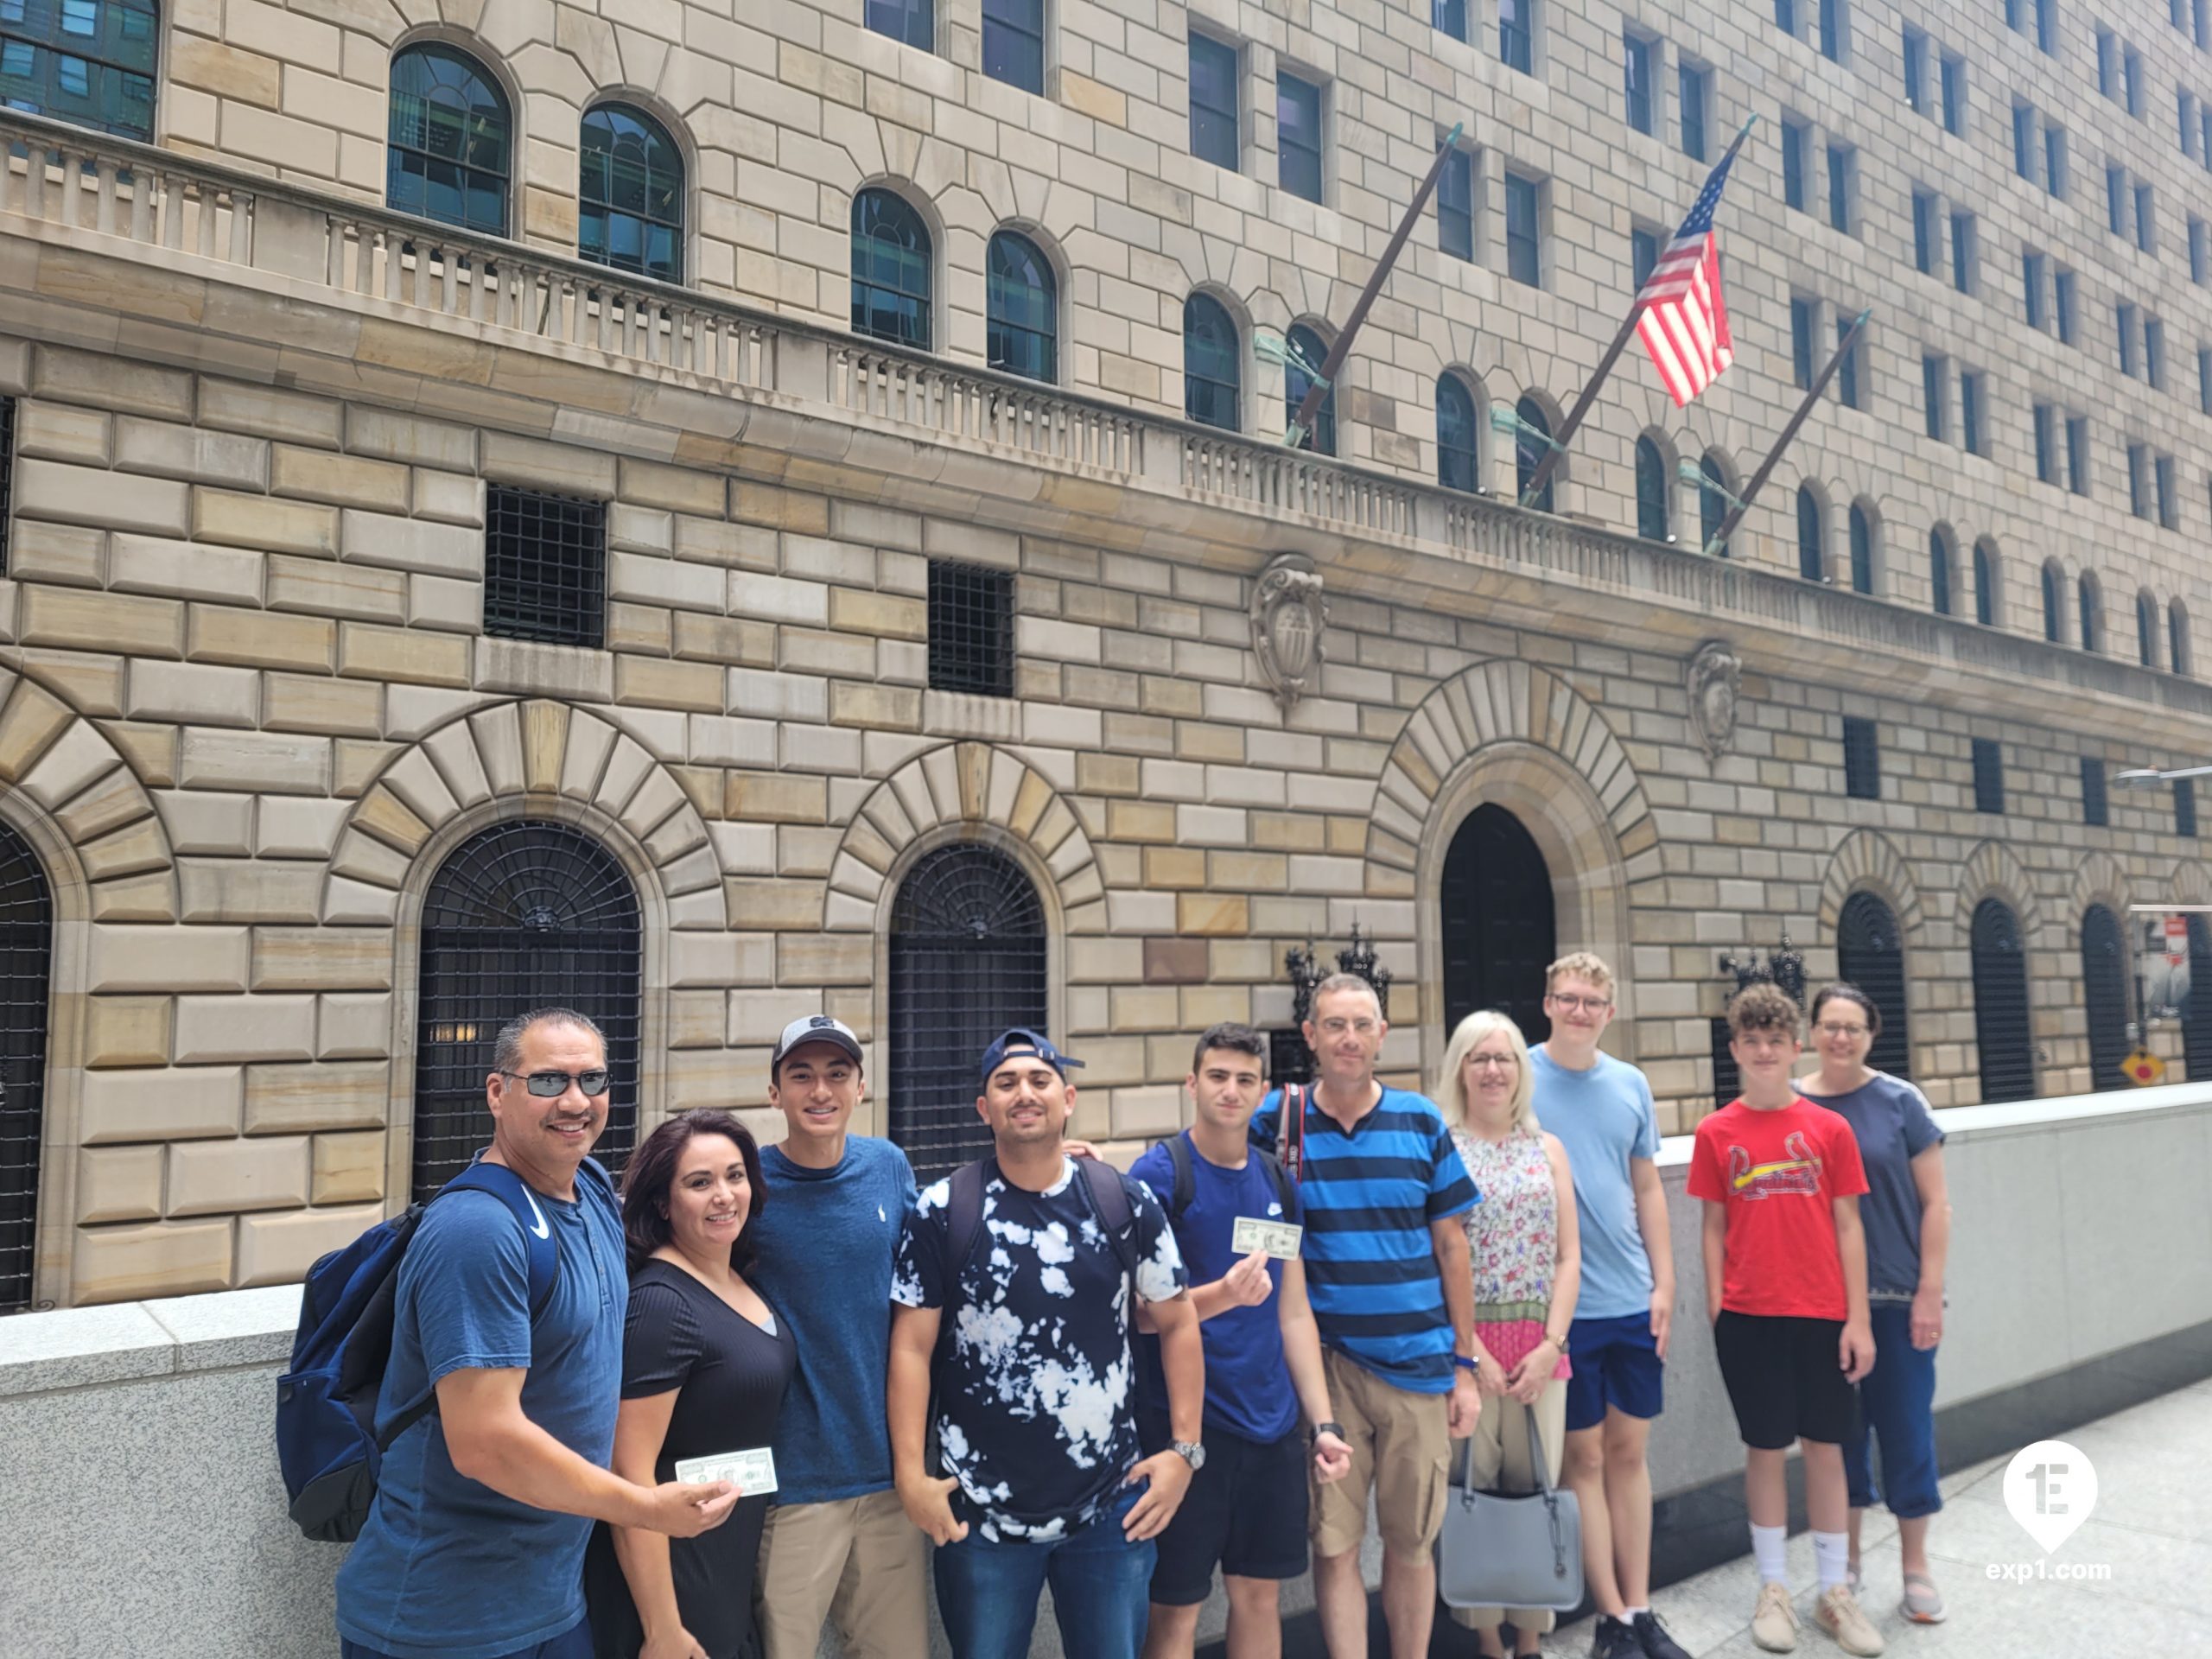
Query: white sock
{"points": [[1832, 1552], [1770, 1549], [1628, 1614]]}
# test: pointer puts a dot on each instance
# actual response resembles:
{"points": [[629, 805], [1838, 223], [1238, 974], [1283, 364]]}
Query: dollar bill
{"points": [[752, 1473], [1278, 1238]]}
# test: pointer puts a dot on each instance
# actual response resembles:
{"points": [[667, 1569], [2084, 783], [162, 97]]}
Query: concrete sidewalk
{"points": [[2151, 1526]]}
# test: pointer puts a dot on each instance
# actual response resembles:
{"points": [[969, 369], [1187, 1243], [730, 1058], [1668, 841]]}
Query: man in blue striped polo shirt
{"points": [[1387, 1271]]}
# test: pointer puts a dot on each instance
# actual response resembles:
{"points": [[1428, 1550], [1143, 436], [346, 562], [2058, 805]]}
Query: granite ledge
{"points": [[85, 1347]]}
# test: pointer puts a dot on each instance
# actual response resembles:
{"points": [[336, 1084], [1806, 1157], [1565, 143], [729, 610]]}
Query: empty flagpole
{"points": [[1565, 436], [1742, 505]]}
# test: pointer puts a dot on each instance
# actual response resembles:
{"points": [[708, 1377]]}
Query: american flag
{"points": [[1684, 323]]}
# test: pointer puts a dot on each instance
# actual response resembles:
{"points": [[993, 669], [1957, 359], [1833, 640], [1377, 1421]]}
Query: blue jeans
{"points": [[572, 1643], [1101, 1586], [1896, 1406]]}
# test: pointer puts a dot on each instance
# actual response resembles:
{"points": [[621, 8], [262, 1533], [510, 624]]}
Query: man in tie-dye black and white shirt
{"points": [[1036, 1395]]}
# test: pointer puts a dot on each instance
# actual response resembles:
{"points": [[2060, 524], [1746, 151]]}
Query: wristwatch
{"points": [[1474, 1366], [1337, 1429], [1192, 1454]]}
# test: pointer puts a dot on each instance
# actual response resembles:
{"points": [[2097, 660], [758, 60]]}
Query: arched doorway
{"points": [[523, 915], [26, 952], [2000, 1004], [967, 960], [1496, 922], [2104, 995], [2196, 1029], [1870, 955]]}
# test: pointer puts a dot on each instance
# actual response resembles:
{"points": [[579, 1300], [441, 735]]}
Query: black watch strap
{"points": [[1337, 1429]]}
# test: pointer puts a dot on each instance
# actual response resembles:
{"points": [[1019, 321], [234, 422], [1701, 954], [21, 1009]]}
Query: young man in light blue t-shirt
{"points": [[1602, 1111]]}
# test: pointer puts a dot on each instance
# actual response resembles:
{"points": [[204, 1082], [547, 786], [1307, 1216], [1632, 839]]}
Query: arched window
{"points": [[1711, 503], [2054, 622], [1862, 551], [2001, 1029], [26, 945], [630, 194], [451, 140], [1985, 585], [1213, 364], [1870, 954], [88, 63], [1652, 488], [1498, 921], [1309, 351], [968, 961], [2104, 995], [2146, 629], [2178, 638], [523, 915], [1812, 554], [2091, 613], [1459, 437], [1939, 571], [1021, 310], [892, 273], [1531, 444]]}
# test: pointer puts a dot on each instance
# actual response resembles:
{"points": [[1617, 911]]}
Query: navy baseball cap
{"points": [[1018, 1043], [815, 1028]]}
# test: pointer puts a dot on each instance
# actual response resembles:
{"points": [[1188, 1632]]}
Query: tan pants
{"points": [[1399, 1444], [1499, 1446], [857, 1559]]}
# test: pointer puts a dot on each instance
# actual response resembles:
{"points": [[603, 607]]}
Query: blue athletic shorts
{"points": [[1616, 1364]]}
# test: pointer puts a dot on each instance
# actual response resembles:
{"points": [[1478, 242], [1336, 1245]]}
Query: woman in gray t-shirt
{"points": [[1907, 1218]]}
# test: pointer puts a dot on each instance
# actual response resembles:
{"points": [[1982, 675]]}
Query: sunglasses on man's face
{"points": [[551, 1085]]}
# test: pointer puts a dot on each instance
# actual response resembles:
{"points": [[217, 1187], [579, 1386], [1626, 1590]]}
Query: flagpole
{"points": [[1565, 436], [1812, 396], [1310, 406]]}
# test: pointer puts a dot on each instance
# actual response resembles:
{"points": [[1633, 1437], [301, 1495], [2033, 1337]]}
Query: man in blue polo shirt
{"points": [[1387, 1274]]}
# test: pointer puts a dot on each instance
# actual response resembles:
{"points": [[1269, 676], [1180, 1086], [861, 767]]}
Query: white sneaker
{"points": [[1838, 1613], [1773, 1622]]}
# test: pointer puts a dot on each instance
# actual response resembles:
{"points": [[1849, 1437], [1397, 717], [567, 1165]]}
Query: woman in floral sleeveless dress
{"points": [[1527, 1269]]}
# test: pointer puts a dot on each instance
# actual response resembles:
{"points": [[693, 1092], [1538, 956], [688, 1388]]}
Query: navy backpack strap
{"points": [[512, 1190], [1186, 1180], [1276, 1178], [1109, 1200], [964, 1222]]}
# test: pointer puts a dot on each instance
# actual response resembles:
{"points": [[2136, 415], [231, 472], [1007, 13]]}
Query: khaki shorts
{"points": [[857, 1562], [1400, 1448]]}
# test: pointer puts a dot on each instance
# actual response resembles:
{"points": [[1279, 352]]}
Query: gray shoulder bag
{"points": [[1511, 1549]]}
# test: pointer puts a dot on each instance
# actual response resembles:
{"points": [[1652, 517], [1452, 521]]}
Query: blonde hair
{"points": [[1579, 965], [1451, 1083]]}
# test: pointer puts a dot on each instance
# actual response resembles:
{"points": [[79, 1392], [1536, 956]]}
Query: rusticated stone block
{"points": [[119, 1184], [282, 1099], [348, 1166], [279, 1249], [209, 1177], [118, 1264]]}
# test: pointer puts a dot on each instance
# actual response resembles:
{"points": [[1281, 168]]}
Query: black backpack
{"points": [[963, 1218], [1186, 1187]]}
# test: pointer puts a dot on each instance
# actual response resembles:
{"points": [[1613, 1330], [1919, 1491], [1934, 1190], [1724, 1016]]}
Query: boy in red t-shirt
{"points": [[1785, 1287]]}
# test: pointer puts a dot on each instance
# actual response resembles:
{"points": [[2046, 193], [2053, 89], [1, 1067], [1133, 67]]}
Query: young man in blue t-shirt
{"points": [[1246, 1508], [838, 1546], [1602, 1112]]}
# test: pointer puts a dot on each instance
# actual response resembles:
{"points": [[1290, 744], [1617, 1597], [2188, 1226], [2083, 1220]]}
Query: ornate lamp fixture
{"points": [[1784, 966], [1306, 973]]}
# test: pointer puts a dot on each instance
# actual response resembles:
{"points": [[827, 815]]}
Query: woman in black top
{"points": [[704, 1367]]}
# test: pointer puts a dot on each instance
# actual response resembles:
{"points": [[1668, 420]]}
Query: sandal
{"points": [[1924, 1603]]}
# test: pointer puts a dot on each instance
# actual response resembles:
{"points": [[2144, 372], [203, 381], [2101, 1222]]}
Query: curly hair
{"points": [[1762, 1008]]}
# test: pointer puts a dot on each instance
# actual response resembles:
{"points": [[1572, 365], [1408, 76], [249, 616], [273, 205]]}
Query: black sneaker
{"points": [[1615, 1640], [1654, 1642]]}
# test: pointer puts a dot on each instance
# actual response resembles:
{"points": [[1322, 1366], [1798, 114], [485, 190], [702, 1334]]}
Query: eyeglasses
{"points": [[1336, 1026], [1583, 1004], [1827, 1030], [1503, 1062], [551, 1085]]}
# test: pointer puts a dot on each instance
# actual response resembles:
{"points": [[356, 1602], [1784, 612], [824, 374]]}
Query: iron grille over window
{"points": [[971, 629], [1870, 955], [1213, 362], [1862, 759], [1988, 776], [544, 568], [89, 62], [7, 477], [449, 140], [2094, 808], [2104, 994], [1289, 1060], [967, 960], [630, 195], [26, 928], [2185, 808], [1727, 1084], [523, 915], [2000, 1004], [2196, 1029]]}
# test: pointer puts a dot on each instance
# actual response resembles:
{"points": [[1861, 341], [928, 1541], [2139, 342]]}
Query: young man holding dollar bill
{"points": [[1237, 1221]]}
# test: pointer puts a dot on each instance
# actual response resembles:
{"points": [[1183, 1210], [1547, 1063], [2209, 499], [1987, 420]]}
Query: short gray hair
{"points": [[506, 1053], [1336, 983]]}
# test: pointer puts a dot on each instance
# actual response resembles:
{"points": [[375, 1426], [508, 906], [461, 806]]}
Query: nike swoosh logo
{"points": [[541, 1229]]}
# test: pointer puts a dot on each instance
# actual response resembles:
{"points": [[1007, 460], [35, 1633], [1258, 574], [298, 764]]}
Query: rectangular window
{"points": [[1694, 85], [1962, 239], [2204, 379], [1804, 319], [1971, 387], [2031, 287], [1831, 30], [2185, 120], [1988, 776], [1524, 244], [2023, 140], [2123, 317], [2094, 810], [1955, 95], [1450, 17], [1216, 97], [2205, 144], [2077, 454], [1642, 254], [1934, 371], [2185, 808], [1298, 135], [1516, 46], [1925, 231], [1862, 759], [1785, 17], [1916, 69], [2196, 249], [2162, 480], [2147, 223], [907, 21], [2108, 63], [2063, 307], [2116, 199], [2139, 501], [1842, 167], [1014, 43], [1455, 206], [1635, 81], [544, 568], [971, 629], [2054, 160], [2046, 436], [1847, 389], [2154, 352], [1796, 138], [2047, 27], [2131, 79]]}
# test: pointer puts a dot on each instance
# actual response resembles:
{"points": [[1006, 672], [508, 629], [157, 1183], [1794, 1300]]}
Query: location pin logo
{"points": [[2051, 1487]]}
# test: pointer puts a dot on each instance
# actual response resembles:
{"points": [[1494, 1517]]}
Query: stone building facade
{"points": [[262, 702]]}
